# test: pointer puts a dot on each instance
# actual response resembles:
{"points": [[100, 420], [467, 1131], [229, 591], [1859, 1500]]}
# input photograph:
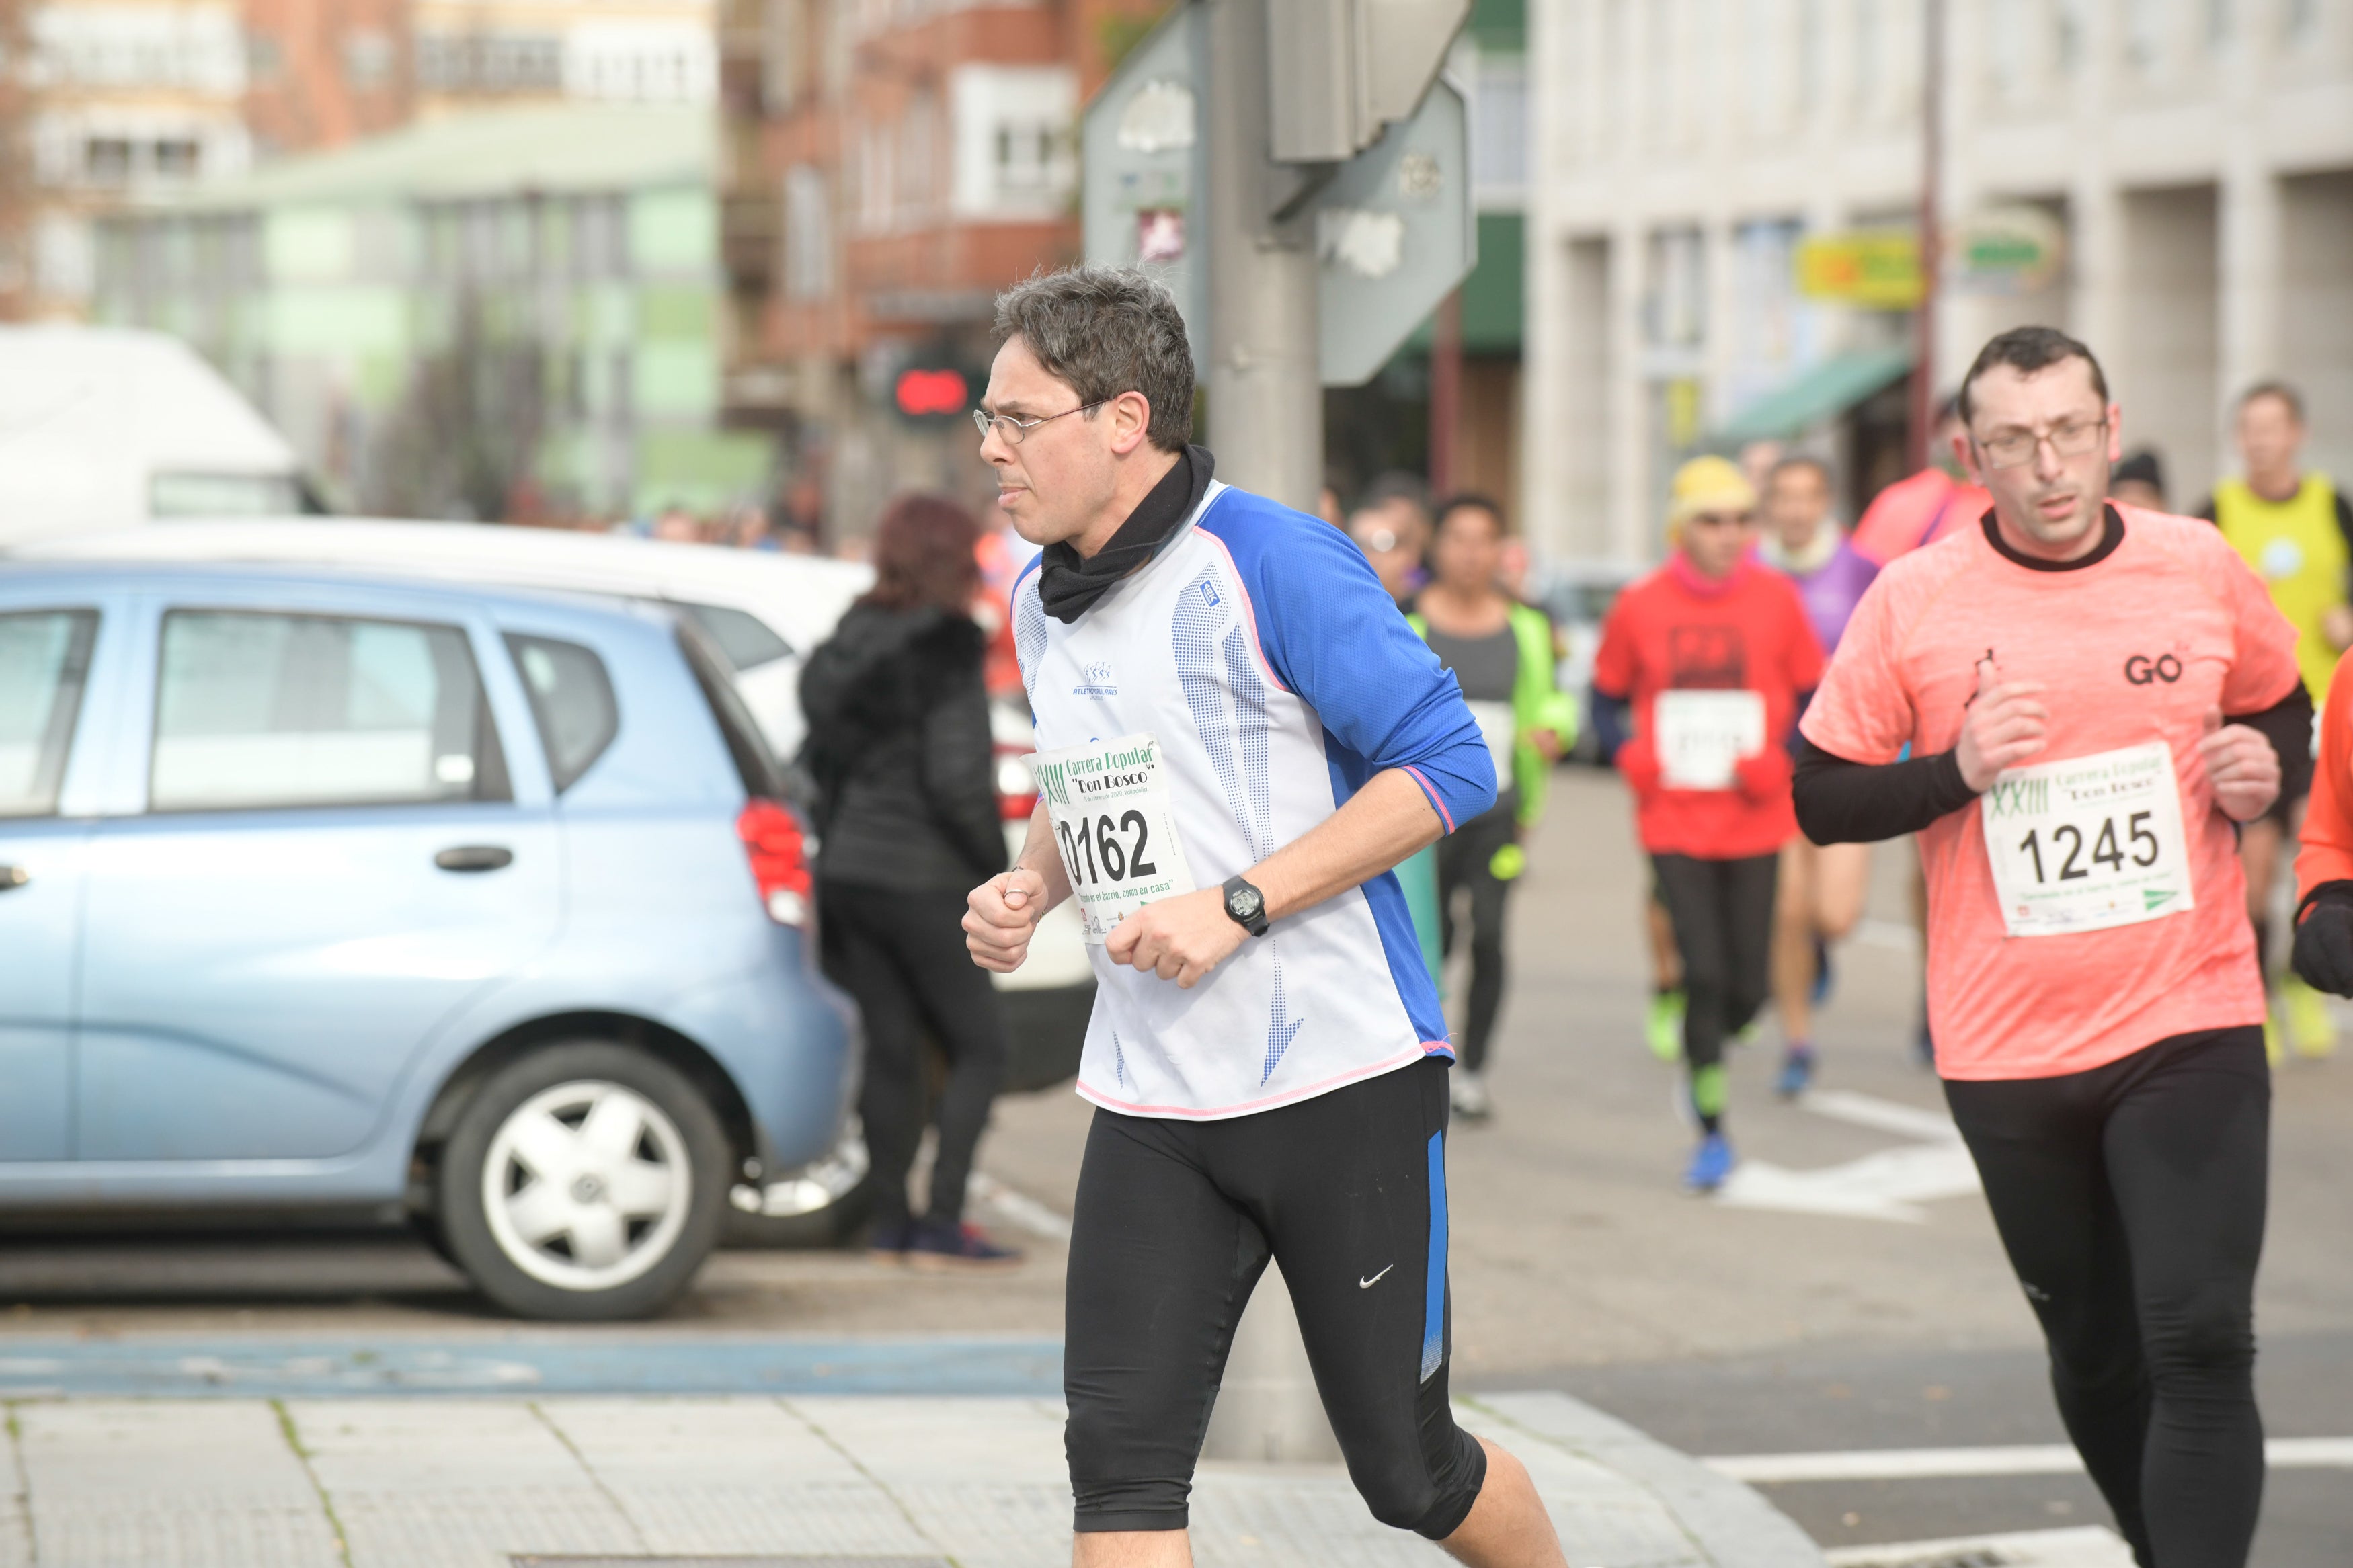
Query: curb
{"points": [[1731, 1526]]}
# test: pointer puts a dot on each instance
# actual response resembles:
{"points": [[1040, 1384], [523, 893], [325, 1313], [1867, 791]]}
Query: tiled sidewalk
{"points": [[873, 1481]]}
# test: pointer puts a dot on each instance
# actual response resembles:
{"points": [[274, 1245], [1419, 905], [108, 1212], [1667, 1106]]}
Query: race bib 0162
{"points": [[1115, 825], [2088, 843]]}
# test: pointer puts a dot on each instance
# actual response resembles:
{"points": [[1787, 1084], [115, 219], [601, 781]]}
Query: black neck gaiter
{"points": [[1068, 582]]}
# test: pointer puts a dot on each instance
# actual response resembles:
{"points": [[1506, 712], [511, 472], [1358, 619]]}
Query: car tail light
{"points": [[779, 856], [1016, 786]]}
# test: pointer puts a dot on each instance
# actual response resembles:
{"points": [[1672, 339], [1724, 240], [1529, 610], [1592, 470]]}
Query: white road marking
{"points": [[2014, 1459], [1888, 1185], [2082, 1546], [1020, 1210]]}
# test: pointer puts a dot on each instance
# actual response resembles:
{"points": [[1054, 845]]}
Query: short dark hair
{"points": [[1396, 484], [2279, 389], [924, 556], [1107, 330], [1800, 460], [1471, 501], [2027, 349]]}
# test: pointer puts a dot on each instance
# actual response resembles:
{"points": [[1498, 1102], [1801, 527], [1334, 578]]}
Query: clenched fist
{"points": [[2004, 726], [1000, 916]]}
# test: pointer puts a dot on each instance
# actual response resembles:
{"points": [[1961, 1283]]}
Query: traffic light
{"points": [[1340, 71]]}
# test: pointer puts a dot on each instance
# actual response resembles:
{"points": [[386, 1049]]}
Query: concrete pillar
{"points": [[1629, 537], [2250, 280], [1268, 1411]]}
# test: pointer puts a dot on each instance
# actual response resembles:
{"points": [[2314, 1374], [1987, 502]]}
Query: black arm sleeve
{"points": [[1840, 801], [2288, 725], [1611, 723]]}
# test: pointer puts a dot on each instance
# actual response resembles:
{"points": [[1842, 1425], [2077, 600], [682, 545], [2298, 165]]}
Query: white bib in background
{"points": [[2088, 843], [1500, 728], [1701, 734], [1116, 828]]}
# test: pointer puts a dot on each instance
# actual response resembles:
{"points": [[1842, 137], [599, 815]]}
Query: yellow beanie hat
{"points": [[1708, 484]]}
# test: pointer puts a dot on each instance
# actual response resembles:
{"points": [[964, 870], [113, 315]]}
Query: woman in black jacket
{"points": [[898, 747]]}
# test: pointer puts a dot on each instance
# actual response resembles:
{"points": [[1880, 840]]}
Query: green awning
{"points": [[1826, 391]]}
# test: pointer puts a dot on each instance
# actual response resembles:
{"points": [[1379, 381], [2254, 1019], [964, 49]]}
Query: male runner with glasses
{"points": [[2094, 695], [1239, 736]]}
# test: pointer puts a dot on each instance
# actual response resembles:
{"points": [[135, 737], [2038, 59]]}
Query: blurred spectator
{"points": [[677, 525], [1391, 526], [751, 529], [2139, 480], [1758, 460], [795, 540], [1000, 554], [898, 747], [1328, 505]]}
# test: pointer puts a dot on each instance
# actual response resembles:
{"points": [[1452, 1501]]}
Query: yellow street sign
{"points": [[1878, 269]]}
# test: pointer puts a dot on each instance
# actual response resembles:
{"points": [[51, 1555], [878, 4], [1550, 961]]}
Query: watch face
{"points": [[1245, 901]]}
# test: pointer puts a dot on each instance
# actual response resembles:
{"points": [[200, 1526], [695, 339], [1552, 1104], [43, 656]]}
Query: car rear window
{"points": [[571, 700], [257, 709], [44, 663], [757, 766], [743, 639]]}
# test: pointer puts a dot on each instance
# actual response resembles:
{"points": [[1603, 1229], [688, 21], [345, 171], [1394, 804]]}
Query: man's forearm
{"points": [[1382, 823]]}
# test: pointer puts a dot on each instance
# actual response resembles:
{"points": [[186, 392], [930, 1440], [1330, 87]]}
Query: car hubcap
{"points": [[587, 1185]]}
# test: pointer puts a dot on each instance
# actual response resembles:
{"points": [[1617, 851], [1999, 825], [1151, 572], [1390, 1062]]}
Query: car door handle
{"points": [[474, 857], [13, 877]]}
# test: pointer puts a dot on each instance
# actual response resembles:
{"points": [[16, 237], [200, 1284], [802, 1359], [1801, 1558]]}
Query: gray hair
{"points": [[1107, 330]]}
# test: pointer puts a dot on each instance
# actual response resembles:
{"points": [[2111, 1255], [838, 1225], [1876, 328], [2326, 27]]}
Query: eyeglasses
{"points": [[2016, 449], [1013, 429]]}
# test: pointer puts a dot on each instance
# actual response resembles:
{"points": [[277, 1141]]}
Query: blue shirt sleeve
{"points": [[1332, 635]]}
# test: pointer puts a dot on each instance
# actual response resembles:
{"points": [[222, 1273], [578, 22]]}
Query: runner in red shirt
{"points": [[2094, 697], [1711, 653]]}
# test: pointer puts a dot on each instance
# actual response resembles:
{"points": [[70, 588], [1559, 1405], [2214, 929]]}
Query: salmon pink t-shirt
{"points": [[1914, 513], [2133, 643]]}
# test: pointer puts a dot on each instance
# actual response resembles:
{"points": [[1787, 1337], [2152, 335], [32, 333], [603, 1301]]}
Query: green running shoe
{"points": [[1666, 1029]]}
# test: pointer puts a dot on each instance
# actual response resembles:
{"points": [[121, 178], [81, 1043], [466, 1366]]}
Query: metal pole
{"points": [[1266, 424], [1266, 394], [1446, 396], [1931, 138]]}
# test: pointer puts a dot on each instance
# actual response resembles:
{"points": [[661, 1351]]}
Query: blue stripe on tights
{"points": [[1433, 1309]]}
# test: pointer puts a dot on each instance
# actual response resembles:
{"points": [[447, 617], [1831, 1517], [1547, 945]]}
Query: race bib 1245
{"points": [[2088, 843]]}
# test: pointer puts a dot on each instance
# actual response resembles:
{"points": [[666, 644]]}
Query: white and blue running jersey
{"points": [[1263, 652]]}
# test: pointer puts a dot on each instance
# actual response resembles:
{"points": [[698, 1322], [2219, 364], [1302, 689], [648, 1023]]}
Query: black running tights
{"points": [[2131, 1200], [1723, 915], [900, 953], [1466, 859]]}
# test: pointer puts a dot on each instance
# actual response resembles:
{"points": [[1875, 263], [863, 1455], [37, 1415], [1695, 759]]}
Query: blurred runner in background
{"points": [[907, 818], [1822, 886], [1502, 652], [2296, 531], [1391, 526], [1709, 656], [2139, 480], [1927, 506]]}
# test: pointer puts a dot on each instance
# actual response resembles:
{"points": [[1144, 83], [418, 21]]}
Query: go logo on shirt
{"points": [[2140, 669]]}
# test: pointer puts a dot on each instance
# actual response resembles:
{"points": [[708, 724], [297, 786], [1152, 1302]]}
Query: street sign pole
{"points": [[1932, 154], [1266, 423], [1266, 405]]}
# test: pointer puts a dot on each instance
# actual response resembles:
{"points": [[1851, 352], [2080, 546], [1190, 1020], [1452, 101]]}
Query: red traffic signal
{"points": [[928, 394]]}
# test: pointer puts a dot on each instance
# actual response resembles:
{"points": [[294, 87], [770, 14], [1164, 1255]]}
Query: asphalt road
{"points": [[1578, 1262]]}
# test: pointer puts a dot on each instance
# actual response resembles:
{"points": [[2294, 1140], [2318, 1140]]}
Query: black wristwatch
{"points": [[1246, 906]]}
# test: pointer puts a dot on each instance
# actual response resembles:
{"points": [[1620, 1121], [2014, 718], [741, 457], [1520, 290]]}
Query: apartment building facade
{"points": [[2193, 158], [890, 165]]}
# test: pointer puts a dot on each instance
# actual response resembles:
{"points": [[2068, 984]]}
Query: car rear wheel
{"points": [[584, 1182]]}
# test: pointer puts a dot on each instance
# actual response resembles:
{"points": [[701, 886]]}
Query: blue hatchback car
{"points": [[352, 893]]}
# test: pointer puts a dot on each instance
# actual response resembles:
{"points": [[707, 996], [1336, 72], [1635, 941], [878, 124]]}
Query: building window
{"points": [[808, 234], [177, 158], [1498, 136], [367, 60], [106, 161]]}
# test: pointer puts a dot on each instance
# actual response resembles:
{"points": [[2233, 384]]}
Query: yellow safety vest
{"points": [[2295, 547]]}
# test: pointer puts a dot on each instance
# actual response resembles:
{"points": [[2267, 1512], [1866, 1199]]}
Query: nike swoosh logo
{"points": [[1368, 1284]]}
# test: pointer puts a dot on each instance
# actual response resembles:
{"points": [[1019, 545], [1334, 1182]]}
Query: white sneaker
{"points": [[1470, 1095]]}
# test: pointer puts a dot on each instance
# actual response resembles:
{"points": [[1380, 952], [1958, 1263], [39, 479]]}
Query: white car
{"points": [[764, 611]]}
